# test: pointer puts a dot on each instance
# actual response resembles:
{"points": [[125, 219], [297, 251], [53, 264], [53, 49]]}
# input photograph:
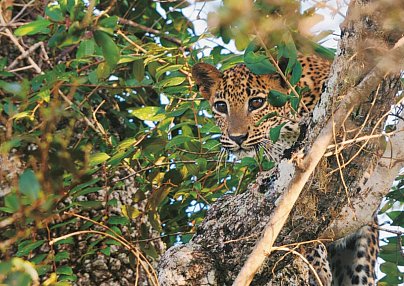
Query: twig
{"points": [[314, 272], [363, 145], [24, 55], [24, 7], [397, 232], [15, 41], [342, 145], [149, 30], [334, 135]]}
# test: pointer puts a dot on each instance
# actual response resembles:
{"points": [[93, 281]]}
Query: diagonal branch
{"points": [[319, 147]]}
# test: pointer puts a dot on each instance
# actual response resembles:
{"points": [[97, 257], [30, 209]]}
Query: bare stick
{"points": [[24, 55], [21, 48]]}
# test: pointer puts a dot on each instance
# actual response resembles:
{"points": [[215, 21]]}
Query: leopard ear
{"points": [[206, 77]]}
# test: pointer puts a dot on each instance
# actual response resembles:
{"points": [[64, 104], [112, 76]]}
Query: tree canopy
{"points": [[106, 146]]}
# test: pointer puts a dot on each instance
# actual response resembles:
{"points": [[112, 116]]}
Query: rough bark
{"points": [[234, 223]]}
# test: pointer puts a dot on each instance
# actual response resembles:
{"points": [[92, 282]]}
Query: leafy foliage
{"points": [[103, 98], [391, 250], [112, 101]]}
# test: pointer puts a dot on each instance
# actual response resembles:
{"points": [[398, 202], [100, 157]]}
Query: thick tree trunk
{"points": [[233, 224]]}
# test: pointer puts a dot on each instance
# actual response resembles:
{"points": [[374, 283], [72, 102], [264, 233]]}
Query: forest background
{"points": [[108, 154]]}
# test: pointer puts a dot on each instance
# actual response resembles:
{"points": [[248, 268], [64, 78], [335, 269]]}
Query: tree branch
{"points": [[319, 147]]}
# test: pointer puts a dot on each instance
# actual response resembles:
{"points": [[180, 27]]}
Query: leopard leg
{"points": [[317, 257], [353, 258]]}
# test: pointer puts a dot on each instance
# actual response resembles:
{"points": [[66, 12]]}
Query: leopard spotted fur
{"points": [[238, 99]]}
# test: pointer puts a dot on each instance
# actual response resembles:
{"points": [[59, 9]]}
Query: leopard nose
{"points": [[239, 139]]}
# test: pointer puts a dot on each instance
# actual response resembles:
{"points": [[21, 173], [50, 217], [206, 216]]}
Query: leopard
{"points": [[239, 102], [238, 99]]}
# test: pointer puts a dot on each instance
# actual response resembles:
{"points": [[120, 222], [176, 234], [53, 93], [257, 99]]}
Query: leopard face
{"points": [[238, 99]]}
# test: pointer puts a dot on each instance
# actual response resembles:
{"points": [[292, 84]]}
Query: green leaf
{"points": [[106, 251], [54, 13], [33, 28], [63, 278], [44, 95], [28, 184], [167, 68], [171, 81], [109, 22], [275, 132], [296, 73], [86, 49], [18, 279], [58, 37], [397, 217], [241, 41], [277, 99], [148, 113], [66, 270], [390, 269], [26, 247], [88, 205], [265, 117], [5, 267], [328, 53], [98, 158], [24, 114], [138, 69], [85, 185], [118, 220], [61, 255], [125, 144], [103, 71], [180, 110], [258, 64], [86, 191], [174, 176], [68, 240], [248, 162], [130, 212], [112, 241], [110, 50], [178, 140], [118, 157], [202, 163], [129, 59], [11, 202], [43, 269], [8, 145], [294, 102], [39, 258]]}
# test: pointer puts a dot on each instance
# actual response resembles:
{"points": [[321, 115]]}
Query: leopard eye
{"points": [[221, 107], [255, 103]]}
